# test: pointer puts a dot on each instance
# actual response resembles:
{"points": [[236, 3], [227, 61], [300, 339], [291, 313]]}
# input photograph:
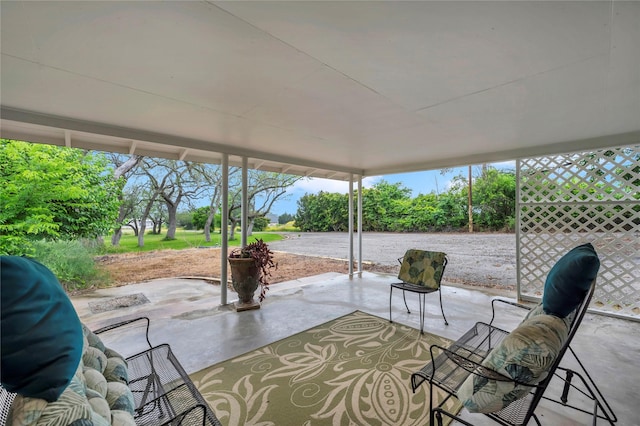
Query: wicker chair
{"points": [[421, 272]]}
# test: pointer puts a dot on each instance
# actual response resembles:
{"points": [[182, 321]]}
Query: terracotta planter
{"points": [[245, 276]]}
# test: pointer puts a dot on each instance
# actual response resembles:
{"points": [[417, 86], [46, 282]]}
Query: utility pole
{"points": [[470, 206]]}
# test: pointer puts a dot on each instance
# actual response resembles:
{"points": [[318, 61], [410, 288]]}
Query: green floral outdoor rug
{"points": [[354, 370]]}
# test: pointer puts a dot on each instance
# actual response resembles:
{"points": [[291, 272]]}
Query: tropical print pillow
{"points": [[525, 355]]}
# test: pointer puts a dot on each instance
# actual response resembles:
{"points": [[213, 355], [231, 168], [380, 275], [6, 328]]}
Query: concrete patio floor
{"points": [[187, 314]]}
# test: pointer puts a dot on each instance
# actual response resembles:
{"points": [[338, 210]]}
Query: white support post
{"points": [[350, 226], [224, 229], [360, 225], [245, 201], [518, 231]]}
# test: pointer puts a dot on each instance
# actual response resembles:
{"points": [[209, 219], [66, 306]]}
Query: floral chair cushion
{"points": [[423, 268]]}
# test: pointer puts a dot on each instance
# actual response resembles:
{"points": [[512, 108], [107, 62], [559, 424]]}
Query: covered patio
{"points": [[202, 333], [347, 90], [339, 90]]}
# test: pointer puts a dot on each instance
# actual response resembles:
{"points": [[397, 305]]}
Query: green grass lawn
{"points": [[184, 239]]}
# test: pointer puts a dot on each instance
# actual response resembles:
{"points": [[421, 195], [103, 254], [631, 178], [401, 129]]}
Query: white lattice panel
{"points": [[567, 200]]}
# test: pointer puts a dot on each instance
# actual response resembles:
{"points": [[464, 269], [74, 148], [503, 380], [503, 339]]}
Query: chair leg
{"points": [[405, 302], [390, 294], [422, 309], [601, 408], [441, 308], [598, 397], [440, 411], [431, 396], [439, 418]]}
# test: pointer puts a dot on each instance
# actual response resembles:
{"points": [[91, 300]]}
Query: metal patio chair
{"points": [[450, 367], [421, 272]]}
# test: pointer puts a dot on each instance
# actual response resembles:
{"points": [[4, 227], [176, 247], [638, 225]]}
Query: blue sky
{"points": [[419, 183]]}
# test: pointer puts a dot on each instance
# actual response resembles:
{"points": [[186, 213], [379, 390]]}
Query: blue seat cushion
{"points": [[569, 280], [41, 332]]}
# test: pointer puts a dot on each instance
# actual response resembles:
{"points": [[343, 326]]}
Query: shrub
{"points": [[72, 262], [260, 223], [14, 245], [284, 218], [185, 220]]}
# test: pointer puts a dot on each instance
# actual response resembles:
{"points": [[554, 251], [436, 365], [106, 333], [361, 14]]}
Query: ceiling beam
{"points": [[30, 117], [566, 147]]}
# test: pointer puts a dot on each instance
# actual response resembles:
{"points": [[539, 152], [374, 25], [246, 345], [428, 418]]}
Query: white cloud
{"points": [[315, 185], [505, 165]]}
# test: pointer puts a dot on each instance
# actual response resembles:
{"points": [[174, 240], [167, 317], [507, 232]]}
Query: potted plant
{"points": [[251, 267]]}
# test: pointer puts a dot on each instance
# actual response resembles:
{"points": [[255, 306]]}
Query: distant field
{"points": [[184, 239], [287, 227]]}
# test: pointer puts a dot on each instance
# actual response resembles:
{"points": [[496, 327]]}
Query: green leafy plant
{"points": [[263, 257], [72, 263], [53, 193]]}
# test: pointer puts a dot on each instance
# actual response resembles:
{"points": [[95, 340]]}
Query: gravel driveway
{"points": [[475, 259]]}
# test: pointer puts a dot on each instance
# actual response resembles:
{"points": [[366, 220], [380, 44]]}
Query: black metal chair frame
{"points": [[422, 292], [163, 391], [6, 399], [450, 367]]}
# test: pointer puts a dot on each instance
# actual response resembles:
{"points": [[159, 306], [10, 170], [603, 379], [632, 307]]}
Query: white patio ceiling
{"points": [[323, 88]]}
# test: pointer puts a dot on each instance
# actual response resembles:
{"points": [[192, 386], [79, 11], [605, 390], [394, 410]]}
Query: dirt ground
{"points": [[479, 259], [132, 268]]}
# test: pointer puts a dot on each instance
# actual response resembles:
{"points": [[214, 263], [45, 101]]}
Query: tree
{"points": [[263, 190], [199, 217], [451, 209], [185, 219], [158, 216], [383, 205], [285, 218], [148, 199], [322, 212], [469, 192], [131, 208], [422, 214], [260, 223], [125, 166], [48, 192], [495, 199], [212, 176], [174, 182]]}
